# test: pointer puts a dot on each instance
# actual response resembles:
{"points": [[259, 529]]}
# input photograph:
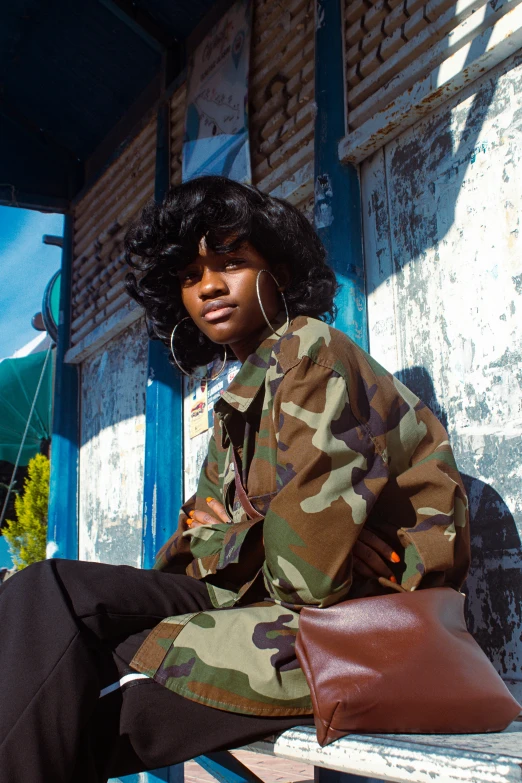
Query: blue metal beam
{"points": [[163, 481], [226, 768], [140, 23], [163, 486], [337, 193], [62, 530]]}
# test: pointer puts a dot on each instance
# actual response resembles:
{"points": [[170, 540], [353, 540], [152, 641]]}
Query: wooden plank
{"points": [[478, 55]]}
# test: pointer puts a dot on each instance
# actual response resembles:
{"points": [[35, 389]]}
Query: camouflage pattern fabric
{"points": [[327, 441]]}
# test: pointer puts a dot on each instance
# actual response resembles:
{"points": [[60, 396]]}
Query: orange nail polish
{"points": [[191, 514], [189, 522], [394, 557], [209, 499], [393, 579]]}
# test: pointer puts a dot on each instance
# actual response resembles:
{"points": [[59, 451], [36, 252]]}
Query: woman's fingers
{"points": [[198, 518], [370, 560], [218, 509], [362, 569], [383, 549]]}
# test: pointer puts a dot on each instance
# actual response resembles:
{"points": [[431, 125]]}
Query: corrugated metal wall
{"points": [[282, 100], [177, 119], [441, 210], [384, 40], [101, 218]]}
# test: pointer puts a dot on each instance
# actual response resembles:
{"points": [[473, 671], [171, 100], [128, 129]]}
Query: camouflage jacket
{"points": [[327, 441]]}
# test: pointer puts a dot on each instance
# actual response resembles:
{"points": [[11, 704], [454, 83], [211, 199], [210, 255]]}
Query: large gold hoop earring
{"points": [[206, 378], [261, 304]]}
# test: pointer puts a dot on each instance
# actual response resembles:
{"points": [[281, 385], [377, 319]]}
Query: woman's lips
{"points": [[218, 314]]}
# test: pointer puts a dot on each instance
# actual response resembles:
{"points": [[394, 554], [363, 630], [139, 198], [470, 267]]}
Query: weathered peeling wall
{"points": [[443, 247], [112, 449]]}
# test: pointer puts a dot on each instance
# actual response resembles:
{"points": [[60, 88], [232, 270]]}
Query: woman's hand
{"points": [[371, 554], [198, 518]]}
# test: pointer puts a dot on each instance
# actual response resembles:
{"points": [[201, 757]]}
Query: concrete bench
{"points": [[406, 758], [372, 758]]}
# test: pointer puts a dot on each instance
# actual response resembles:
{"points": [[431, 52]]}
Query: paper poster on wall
{"points": [[216, 119], [198, 418], [196, 445]]}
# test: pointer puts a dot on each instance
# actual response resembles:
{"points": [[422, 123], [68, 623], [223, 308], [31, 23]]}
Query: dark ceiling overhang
{"points": [[72, 76]]}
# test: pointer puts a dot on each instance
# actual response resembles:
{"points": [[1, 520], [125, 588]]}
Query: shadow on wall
{"points": [[494, 585]]}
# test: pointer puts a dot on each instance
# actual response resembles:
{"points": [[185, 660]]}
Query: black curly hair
{"points": [[166, 238]]}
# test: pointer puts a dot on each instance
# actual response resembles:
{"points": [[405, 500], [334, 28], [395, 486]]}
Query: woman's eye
{"points": [[231, 263], [187, 275]]}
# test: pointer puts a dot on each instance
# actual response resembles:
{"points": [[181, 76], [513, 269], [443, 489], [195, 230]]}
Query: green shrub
{"points": [[27, 535]]}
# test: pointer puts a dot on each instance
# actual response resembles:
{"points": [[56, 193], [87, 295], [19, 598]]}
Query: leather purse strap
{"points": [[248, 508]]}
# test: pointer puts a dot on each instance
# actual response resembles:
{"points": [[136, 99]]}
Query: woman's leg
{"points": [[59, 621], [159, 728]]}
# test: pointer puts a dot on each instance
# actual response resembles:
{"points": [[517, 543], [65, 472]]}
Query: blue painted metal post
{"points": [[163, 487], [337, 192], [62, 531], [338, 217], [163, 483], [226, 768]]}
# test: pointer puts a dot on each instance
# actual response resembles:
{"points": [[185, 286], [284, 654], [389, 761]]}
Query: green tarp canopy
{"points": [[18, 383]]}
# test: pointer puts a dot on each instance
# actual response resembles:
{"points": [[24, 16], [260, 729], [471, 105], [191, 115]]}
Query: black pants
{"points": [[66, 630]]}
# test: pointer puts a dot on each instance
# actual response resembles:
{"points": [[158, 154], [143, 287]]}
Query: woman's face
{"points": [[219, 294]]}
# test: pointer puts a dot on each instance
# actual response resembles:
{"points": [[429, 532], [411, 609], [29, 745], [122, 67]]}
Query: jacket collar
{"points": [[251, 377]]}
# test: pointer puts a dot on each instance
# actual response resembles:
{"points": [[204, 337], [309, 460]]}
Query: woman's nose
{"points": [[212, 283]]}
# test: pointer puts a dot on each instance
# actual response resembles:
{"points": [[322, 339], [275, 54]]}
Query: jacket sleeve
{"points": [[331, 468], [176, 555], [329, 475]]}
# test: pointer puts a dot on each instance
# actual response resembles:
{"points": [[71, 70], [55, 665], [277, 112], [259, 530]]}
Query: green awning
{"points": [[18, 383]]}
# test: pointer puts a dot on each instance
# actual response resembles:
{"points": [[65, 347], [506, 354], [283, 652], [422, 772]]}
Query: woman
{"points": [[316, 449]]}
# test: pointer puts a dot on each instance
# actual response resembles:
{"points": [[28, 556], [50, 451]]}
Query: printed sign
{"points": [[198, 418], [196, 444], [216, 119]]}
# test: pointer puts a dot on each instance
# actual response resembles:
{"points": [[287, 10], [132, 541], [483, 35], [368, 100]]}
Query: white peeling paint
{"points": [[51, 549], [443, 245], [112, 450], [490, 758]]}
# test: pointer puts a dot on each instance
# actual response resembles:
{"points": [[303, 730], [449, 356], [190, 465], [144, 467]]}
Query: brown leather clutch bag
{"points": [[402, 663]]}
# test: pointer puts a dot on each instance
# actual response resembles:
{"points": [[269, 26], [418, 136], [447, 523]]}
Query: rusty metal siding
{"points": [[441, 208], [101, 218], [467, 39], [281, 95], [112, 449], [177, 120], [282, 99], [383, 40]]}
